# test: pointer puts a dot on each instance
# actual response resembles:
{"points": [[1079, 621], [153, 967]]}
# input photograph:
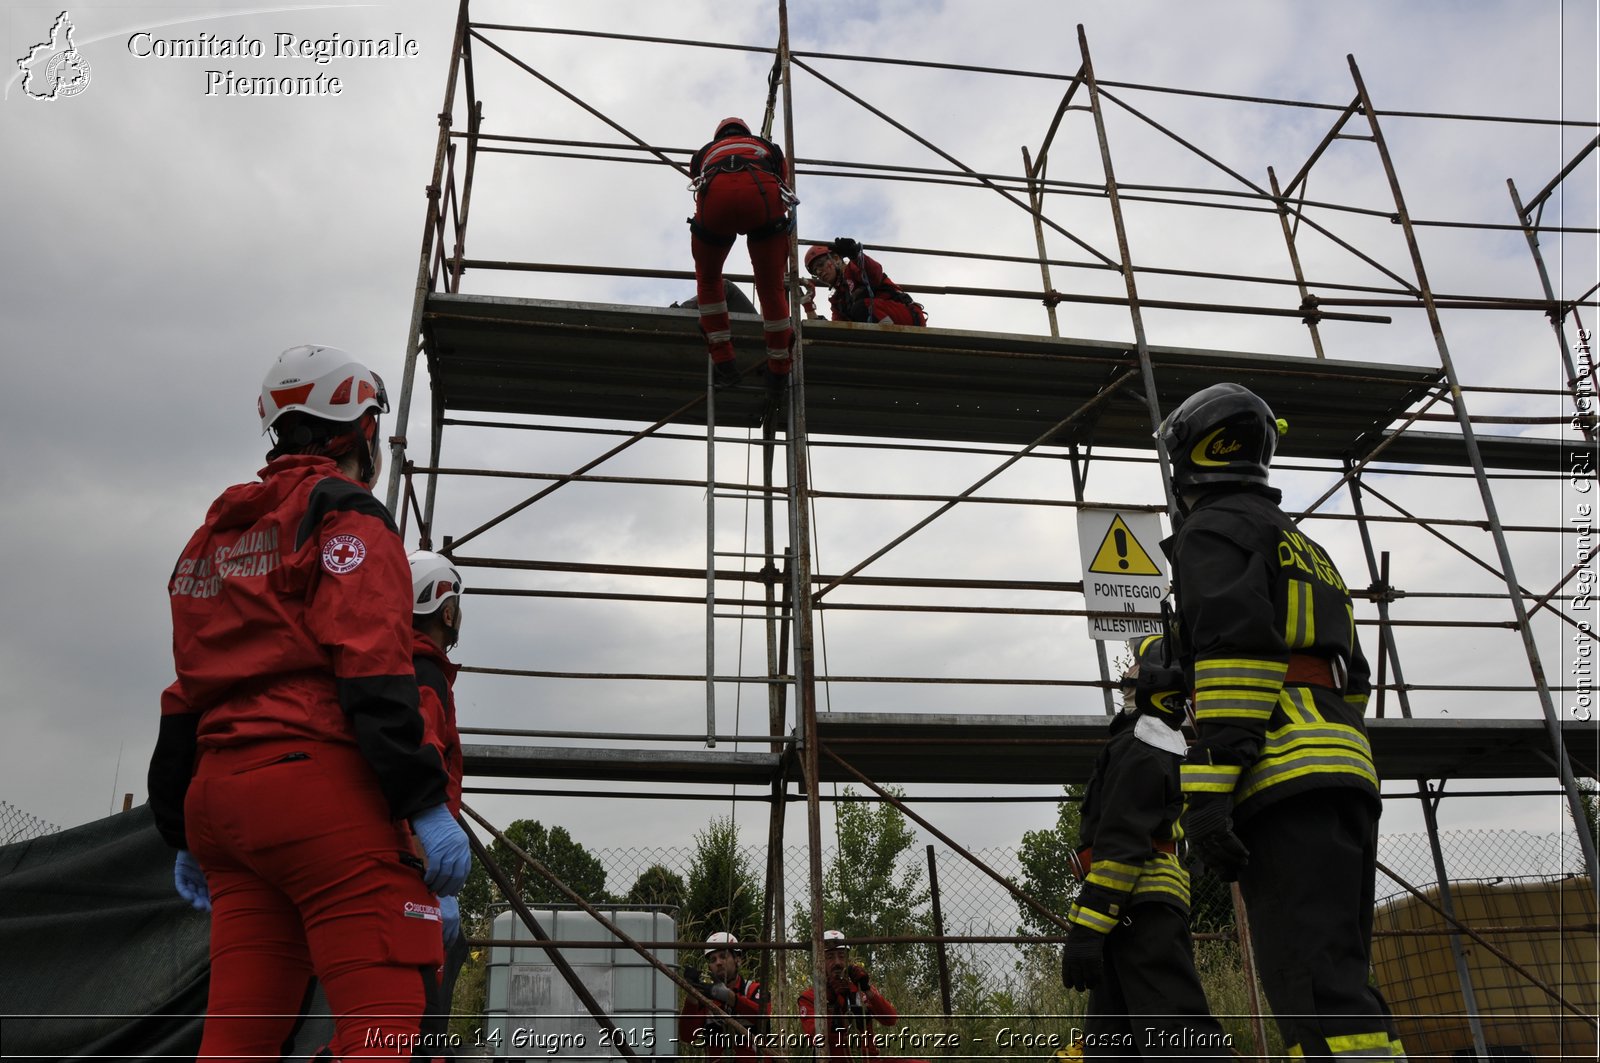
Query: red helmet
{"points": [[730, 123], [814, 252]]}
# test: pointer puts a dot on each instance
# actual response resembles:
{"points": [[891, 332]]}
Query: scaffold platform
{"points": [[982, 750], [497, 354]]}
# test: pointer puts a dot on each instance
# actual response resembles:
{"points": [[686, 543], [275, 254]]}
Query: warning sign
{"points": [[1121, 553], [1124, 578]]}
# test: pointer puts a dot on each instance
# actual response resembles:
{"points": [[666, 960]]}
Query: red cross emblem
{"points": [[343, 553]]}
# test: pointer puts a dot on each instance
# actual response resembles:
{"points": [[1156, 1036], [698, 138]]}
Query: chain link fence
{"points": [[18, 826], [973, 905]]}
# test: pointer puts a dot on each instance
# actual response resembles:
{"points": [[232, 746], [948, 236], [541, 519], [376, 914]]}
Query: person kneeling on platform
{"points": [[860, 289]]}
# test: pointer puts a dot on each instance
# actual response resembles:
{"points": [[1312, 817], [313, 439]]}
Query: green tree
{"points": [[555, 849], [875, 886], [657, 884], [723, 891], [1046, 859], [1587, 794]]}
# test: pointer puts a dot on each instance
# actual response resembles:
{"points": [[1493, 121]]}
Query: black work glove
{"points": [[845, 247], [1208, 824], [858, 975], [1082, 958]]}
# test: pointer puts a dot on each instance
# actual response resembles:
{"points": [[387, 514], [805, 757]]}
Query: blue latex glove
{"points": [[450, 912], [445, 843], [191, 881]]}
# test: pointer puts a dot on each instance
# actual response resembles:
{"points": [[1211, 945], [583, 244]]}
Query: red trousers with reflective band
{"points": [[732, 204], [308, 875]]}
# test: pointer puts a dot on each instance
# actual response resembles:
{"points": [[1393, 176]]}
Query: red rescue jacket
{"points": [[436, 679], [863, 283], [750, 1005], [851, 1016], [291, 620]]}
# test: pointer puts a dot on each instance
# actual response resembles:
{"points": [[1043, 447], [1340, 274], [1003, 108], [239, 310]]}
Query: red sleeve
{"points": [[691, 1021], [871, 270], [358, 607], [362, 611], [438, 735], [805, 1007], [882, 1010], [751, 1001]]}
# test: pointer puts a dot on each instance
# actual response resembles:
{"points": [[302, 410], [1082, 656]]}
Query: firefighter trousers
{"points": [[1308, 892], [1149, 1003], [730, 205], [308, 875]]}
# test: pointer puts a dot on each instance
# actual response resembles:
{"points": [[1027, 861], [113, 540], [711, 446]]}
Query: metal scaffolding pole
{"points": [[1569, 781], [1583, 417], [1391, 650], [397, 443], [800, 542]]}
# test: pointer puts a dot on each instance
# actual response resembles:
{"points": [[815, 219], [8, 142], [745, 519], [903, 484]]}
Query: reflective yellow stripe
{"points": [[1269, 684], [1297, 765], [1112, 875], [1299, 706], [1361, 1046], [1092, 919], [1240, 667], [1357, 702], [1300, 623], [1164, 875], [1250, 703], [1209, 778], [1230, 712], [1300, 735]]}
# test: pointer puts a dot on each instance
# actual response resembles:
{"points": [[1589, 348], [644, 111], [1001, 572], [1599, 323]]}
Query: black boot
{"points": [[724, 374]]}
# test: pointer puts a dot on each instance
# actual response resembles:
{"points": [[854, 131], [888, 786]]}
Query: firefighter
{"points": [[743, 998], [739, 188], [860, 289], [436, 628], [1280, 787], [1129, 944], [854, 1003], [290, 755]]}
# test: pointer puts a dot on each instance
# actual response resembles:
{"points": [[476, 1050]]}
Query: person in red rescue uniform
{"points": [[436, 627], [290, 756], [861, 290], [739, 185], [854, 1003], [1280, 789], [1129, 944], [743, 998]]}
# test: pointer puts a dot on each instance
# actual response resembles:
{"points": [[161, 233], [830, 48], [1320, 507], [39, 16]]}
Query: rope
{"points": [[774, 79]]}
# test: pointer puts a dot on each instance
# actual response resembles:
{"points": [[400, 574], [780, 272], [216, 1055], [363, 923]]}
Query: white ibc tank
{"points": [[532, 1013]]}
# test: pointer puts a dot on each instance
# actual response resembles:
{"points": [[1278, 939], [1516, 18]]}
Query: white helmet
{"points": [[324, 382], [722, 940], [434, 580], [833, 939]]}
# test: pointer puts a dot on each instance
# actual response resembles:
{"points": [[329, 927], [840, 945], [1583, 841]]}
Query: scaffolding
{"points": [[587, 374]]}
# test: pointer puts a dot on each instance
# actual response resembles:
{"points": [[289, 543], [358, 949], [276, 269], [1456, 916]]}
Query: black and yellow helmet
{"points": [[1159, 687], [1223, 434]]}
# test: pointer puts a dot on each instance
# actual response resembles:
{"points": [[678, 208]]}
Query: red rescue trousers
{"points": [[308, 876], [880, 308], [731, 204]]}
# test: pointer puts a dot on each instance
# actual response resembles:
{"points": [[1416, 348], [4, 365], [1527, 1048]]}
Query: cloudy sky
{"points": [[166, 239]]}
